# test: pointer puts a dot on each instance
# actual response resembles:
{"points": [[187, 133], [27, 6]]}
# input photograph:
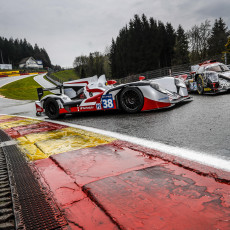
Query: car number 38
{"points": [[107, 101]]}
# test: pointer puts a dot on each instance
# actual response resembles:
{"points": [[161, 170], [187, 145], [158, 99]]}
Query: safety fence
{"points": [[167, 71]]}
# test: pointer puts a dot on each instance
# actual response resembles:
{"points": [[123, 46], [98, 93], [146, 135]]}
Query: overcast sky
{"points": [[70, 28]]}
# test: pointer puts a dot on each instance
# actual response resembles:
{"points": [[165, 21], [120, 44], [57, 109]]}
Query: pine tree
{"points": [[170, 40], [112, 61], [181, 53], [219, 37], [13, 51]]}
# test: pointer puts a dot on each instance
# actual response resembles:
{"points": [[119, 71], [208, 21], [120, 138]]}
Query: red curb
{"points": [[163, 197], [204, 170], [11, 119], [23, 130], [135, 190], [79, 210], [92, 164]]}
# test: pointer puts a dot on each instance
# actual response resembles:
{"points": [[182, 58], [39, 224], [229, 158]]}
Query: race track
{"points": [[201, 125]]}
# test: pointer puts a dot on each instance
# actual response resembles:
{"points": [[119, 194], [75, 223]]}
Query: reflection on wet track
{"points": [[201, 125]]}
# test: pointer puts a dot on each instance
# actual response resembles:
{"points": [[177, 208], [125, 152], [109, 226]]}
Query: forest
{"points": [[12, 51], [147, 44]]}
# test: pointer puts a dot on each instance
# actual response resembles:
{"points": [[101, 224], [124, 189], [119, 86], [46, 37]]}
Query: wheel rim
{"points": [[131, 99]]}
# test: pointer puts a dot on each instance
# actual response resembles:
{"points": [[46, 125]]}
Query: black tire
{"points": [[51, 108], [131, 100], [200, 85]]}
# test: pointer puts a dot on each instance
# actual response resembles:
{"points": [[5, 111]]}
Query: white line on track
{"points": [[199, 157]]}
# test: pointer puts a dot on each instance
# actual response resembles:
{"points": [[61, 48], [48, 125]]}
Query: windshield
{"points": [[212, 76], [216, 68], [224, 68]]}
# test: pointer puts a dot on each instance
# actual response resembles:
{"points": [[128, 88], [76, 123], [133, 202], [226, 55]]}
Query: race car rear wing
{"points": [[41, 90]]}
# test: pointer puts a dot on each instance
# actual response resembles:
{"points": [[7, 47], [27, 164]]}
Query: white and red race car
{"points": [[210, 77], [94, 94]]}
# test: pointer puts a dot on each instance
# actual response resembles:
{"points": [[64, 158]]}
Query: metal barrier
{"points": [[167, 71]]}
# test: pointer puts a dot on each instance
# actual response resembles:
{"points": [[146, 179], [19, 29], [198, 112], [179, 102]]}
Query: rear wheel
{"points": [[51, 108], [131, 100], [200, 84]]}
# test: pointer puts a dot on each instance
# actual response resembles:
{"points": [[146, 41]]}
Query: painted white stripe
{"points": [[8, 143], [199, 157]]}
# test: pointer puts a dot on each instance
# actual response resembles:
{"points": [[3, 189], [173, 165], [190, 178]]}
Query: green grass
{"points": [[24, 89], [66, 75]]}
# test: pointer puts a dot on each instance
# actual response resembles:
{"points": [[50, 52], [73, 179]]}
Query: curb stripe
{"points": [[199, 157]]}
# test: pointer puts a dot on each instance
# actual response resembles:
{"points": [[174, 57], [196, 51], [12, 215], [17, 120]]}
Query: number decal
{"points": [[107, 101]]}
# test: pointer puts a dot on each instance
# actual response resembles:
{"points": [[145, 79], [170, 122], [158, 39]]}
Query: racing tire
{"points": [[200, 84], [131, 100], [51, 108]]}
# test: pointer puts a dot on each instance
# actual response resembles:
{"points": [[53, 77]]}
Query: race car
{"points": [[95, 94], [211, 77]]}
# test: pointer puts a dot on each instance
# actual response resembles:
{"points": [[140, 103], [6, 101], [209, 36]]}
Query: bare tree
{"points": [[198, 41]]}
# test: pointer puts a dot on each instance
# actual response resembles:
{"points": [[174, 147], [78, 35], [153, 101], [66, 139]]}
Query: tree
{"points": [[170, 40], [13, 51], [181, 53], [94, 64], [198, 41], [218, 38], [141, 46]]}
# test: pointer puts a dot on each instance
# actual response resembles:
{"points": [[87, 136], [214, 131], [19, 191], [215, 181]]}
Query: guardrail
{"points": [[167, 71], [56, 82]]}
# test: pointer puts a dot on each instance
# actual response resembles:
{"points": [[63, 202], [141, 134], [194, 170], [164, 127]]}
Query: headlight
{"points": [[157, 87], [212, 76], [179, 83]]}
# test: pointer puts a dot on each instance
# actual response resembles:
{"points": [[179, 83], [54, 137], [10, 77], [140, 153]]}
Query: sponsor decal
{"points": [[163, 98], [98, 106], [86, 107], [193, 85]]}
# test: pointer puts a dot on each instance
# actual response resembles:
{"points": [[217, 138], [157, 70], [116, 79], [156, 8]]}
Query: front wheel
{"points": [[131, 100], [51, 108], [200, 85]]}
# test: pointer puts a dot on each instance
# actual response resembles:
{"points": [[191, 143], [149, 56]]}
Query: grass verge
{"points": [[24, 89], [66, 75]]}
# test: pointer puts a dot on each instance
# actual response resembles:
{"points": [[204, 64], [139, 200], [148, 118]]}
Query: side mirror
{"points": [[141, 78], [111, 82]]}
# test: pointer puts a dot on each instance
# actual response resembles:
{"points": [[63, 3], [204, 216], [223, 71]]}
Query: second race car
{"points": [[95, 94], [211, 77]]}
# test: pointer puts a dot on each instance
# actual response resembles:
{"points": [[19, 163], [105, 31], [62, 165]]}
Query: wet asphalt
{"points": [[202, 125]]}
